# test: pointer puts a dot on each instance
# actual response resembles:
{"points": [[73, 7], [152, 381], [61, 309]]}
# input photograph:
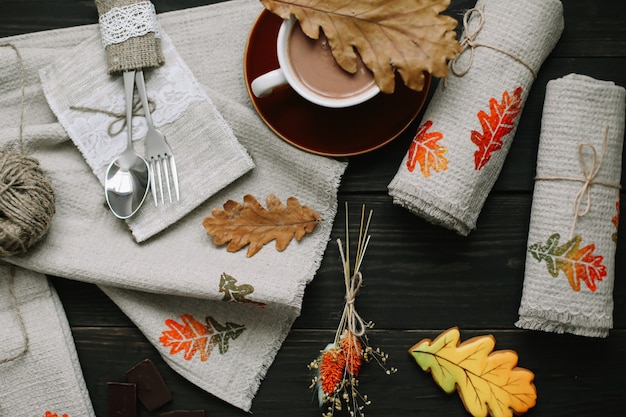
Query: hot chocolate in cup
{"points": [[309, 67]]}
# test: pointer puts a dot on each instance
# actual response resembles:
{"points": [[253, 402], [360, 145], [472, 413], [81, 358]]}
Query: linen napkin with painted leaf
{"points": [[469, 125], [572, 240], [180, 273], [40, 374]]}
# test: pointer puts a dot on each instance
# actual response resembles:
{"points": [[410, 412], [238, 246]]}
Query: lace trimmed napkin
{"points": [[86, 100], [39, 368], [468, 127], [570, 263]]}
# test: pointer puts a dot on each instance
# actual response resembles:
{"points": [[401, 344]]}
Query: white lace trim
{"points": [[172, 87], [122, 23]]}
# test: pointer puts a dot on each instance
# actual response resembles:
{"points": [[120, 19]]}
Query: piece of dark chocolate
{"points": [[183, 413], [151, 388], [122, 399]]}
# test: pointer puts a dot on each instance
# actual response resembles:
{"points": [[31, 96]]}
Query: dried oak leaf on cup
{"points": [[251, 224], [407, 36]]}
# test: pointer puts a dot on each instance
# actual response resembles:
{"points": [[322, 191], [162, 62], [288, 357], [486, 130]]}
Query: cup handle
{"points": [[264, 84]]}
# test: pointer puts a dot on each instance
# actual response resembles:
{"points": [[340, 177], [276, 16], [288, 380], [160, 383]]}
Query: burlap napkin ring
{"points": [[130, 34]]}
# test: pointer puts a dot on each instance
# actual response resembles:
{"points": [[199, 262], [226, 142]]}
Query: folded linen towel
{"points": [[201, 280], [86, 99], [568, 283], [224, 347], [85, 242], [468, 127], [39, 368]]}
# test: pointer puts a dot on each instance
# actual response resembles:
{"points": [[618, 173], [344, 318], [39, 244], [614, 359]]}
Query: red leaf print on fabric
{"points": [[426, 151], [578, 264], [496, 125], [50, 414], [189, 337]]}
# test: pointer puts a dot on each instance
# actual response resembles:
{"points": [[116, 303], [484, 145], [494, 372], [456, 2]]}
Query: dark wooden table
{"points": [[420, 279]]}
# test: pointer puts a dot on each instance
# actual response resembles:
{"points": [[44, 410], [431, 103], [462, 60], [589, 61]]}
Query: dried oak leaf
{"points": [[407, 36], [489, 382], [252, 224]]}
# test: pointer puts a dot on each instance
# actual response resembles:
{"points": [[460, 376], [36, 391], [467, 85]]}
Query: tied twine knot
{"points": [[590, 172], [469, 42], [118, 124], [354, 322], [27, 202]]}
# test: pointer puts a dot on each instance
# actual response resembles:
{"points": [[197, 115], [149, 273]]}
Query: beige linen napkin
{"points": [[39, 368], [224, 347], [180, 273], [84, 97], [570, 262], [87, 243], [468, 127]]}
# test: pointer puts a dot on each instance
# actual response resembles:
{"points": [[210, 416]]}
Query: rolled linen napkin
{"points": [[468, 127], [89, 104], [39, 370], [568, 283]]}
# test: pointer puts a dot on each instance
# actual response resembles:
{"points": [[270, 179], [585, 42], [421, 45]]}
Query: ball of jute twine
{"points": [[26, 195]]}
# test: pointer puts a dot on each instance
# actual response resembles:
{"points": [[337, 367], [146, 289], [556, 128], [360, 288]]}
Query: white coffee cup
{"points": [[326, 84]]}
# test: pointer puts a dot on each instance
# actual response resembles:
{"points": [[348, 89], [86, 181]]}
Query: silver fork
{"points": [[158, 153]]}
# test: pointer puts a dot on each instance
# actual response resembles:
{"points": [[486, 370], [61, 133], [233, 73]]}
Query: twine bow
{"points": [[590, 172], [118, 124], [469, 42], [354, 322]]}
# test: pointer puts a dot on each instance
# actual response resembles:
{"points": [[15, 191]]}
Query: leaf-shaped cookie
{"points": [[250, 223], [426, 151], [407, 36], [499, 122], [576, 263], [489, 382]]}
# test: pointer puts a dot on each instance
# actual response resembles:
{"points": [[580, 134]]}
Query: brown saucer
{"points": [[320, 130]]}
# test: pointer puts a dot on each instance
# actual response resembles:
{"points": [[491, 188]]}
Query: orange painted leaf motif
{"points": [[426, 151], [251, 224], [578, 264], [51, 414], [191, 336], [496, 125], [488, 382]]}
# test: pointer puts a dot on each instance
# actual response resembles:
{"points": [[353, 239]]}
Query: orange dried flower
{"points": [[353, 352], [332, 367]]}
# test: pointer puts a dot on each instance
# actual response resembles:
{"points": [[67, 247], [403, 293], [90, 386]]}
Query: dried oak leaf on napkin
{"points": [[251, 224], [407, 36]]}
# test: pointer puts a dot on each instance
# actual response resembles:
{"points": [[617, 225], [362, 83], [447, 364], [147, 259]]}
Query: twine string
{"points": [[350, 319], [119, 119], [469, 42], [20, 318], [590, 172], [22, 72]]}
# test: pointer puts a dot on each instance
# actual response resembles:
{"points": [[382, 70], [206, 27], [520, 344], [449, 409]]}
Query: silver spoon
{"points": [[128, 178]]}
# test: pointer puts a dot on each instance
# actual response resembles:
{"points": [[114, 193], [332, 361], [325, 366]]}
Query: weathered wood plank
{"points": [[574, 376]]}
